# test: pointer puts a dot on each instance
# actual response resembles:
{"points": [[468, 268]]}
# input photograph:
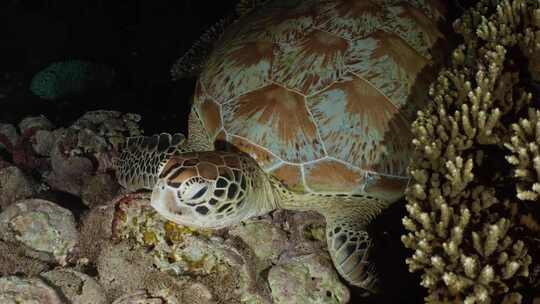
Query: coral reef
{"points": [[462, 217], [524, 145], [70, 77], [181, 251], [88, 147], [72, 159], [260, 261]]}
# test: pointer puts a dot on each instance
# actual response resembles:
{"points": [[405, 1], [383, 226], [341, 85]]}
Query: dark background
{"points": [[141, 39]]}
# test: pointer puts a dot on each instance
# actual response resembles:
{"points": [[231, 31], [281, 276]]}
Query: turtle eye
{"points": [[194, 189], [200, 193]]}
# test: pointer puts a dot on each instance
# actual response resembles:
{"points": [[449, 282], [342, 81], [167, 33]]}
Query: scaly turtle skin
{"points": [[313, 100]]}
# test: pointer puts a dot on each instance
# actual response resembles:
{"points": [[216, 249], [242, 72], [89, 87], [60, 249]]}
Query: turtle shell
{"points": [[320, 92]]}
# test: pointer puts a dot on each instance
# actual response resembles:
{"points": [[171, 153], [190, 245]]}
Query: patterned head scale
{"points": [[203, 189]]}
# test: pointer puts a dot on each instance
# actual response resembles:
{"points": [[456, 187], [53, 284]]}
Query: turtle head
{"points": [[204, 189]]}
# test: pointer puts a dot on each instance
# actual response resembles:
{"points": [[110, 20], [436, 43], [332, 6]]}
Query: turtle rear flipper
{"points": [[349, 243], [143, 157]]}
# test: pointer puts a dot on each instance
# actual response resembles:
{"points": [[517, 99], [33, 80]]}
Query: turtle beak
{"points": [[164, 201]]}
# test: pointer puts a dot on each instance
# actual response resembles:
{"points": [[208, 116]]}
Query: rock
{"points": [[306, 230], [96, 231], [266, 240], [77, 287], [227, 267], [124, 269], [69, 172], [87, 147], [14, 290], [236, 263], [140, 282], [112, 126], [14, 186], [14, 262], [10, 133], [44, 230], [307, 279], [192, 293], [140, 296], [197, 293], [43, 142], [99, 189], [35, 123]]}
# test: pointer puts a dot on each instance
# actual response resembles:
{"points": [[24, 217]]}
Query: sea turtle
{"points": [[302, 105]]}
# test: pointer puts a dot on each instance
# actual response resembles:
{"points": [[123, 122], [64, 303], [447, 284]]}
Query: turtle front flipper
{"points": [[348, 240], [142, 158]]}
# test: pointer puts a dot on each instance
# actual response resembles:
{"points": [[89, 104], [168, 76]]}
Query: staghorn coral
{"points": [[524, 145], [461, 220]]}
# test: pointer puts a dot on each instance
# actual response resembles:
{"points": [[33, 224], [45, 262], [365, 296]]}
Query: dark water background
{"points": [[141, 39]]}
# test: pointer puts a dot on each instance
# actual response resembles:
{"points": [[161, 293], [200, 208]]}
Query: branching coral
{"points": [[461, 220], [524, 145]]}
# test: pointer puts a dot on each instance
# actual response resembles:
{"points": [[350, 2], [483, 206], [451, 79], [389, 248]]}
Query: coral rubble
{"points": [[462, 218], [253, 262]]}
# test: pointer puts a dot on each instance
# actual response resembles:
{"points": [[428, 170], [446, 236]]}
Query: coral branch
{"points": [[461, 225]]}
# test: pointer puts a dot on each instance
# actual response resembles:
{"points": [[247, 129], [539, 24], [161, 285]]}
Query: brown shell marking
{"points": [[356, 61], [388, 63], [290, 176], [332, 176], [263, 157], [208, 111], [278, 118], [314, 62], [350, 19], [355, 121], [240, 68], [413, 26], [391, 187], [277, 24]]}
